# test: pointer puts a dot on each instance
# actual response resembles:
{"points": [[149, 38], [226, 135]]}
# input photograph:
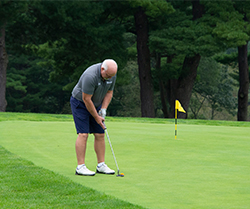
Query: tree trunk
{"points": [[244, 83], [161, 86], [143, 54], [197, 9], [3, 70], [182, 88]]}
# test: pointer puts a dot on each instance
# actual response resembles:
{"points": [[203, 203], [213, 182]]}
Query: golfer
{"points": [[89, 102]]}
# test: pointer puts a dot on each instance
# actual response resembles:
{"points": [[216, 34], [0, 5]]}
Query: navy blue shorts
{"points": [[84, 121]]}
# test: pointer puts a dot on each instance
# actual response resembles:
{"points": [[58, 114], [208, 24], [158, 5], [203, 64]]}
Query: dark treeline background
{"points": [[194, 51]]}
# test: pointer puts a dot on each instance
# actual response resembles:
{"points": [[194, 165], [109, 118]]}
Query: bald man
{"points": [[89, 102]]}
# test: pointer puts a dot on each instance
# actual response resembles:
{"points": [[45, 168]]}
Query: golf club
{"points": [[118, 174]]}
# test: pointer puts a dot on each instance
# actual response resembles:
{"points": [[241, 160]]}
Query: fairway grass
{"points": [[24, 185], [206, 167]]}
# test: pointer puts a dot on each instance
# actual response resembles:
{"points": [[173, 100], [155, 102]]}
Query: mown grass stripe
{"points": [[24, 185]]}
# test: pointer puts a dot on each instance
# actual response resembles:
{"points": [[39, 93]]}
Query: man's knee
{"points": [[83, 136], [99, 136]]}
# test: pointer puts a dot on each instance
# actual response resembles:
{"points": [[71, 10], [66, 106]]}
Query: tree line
{"points": [[160, 46]]}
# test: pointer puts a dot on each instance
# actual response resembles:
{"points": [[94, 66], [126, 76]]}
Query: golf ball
{"points": [[122, 174]]}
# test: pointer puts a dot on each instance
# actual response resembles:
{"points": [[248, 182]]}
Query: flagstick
{"points": [[178, 107], [175, 121]]}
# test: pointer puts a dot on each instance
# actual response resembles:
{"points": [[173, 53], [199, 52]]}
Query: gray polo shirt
{"points": [[92, 83]]}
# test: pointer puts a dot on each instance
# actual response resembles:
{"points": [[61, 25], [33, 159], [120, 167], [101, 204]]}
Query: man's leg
{"points": [[99, 147], [81, 143], [100, 153]]}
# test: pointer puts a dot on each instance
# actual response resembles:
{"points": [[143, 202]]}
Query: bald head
{"points": [[108, 69]]}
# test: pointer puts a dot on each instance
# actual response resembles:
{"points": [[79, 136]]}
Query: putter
{"points": [[118, 172]]}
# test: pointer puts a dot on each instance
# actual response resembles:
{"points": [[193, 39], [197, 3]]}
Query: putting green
{"points": [[206, 167]]}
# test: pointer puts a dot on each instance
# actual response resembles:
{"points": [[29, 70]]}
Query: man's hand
{"points": [[100, 120], [102, 113], [91, 108]]}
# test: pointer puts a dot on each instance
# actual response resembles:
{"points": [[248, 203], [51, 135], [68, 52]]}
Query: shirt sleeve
{"points": [[88, 84]]}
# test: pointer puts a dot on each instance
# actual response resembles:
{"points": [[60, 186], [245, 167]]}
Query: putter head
{"points": [[120, 175]]}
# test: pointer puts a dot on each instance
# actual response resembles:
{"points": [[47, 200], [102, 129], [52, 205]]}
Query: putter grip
{"points": [[104, 125]]}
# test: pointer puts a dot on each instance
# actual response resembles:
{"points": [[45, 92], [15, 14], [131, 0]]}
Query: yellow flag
{"points": [[178, 106]]}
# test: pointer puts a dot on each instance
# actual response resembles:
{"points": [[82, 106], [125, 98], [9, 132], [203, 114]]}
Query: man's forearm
{"points": [[90, 105], [91, 108], [107, 99]]}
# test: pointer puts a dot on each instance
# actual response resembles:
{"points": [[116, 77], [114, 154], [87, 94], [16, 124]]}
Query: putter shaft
{"points": [[111, 149]]}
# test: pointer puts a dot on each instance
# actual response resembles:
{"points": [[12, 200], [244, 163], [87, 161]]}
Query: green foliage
{"points": [[230, 58], [196, 103], [153, 8], [174, 36], [126, 101], [130, 44], [84, 37], [180, 34], [231, 28], [9, 10], [28, 88], [16, 81], [68, 38], [215, 85], [232, 33], [222, 24], [71, 35]]}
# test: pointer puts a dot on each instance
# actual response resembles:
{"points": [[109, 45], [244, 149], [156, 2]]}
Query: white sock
{"points": [[79, 166], [100, 164]]}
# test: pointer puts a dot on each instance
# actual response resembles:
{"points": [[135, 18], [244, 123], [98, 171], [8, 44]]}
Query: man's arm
{"points": [[91, 108], [107, 99]]}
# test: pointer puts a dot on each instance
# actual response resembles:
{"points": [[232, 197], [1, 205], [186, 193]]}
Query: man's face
{"points": [[106, 74]]}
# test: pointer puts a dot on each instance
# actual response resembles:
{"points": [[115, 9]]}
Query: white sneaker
{"points": [[84, 171], [104, 169]]}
